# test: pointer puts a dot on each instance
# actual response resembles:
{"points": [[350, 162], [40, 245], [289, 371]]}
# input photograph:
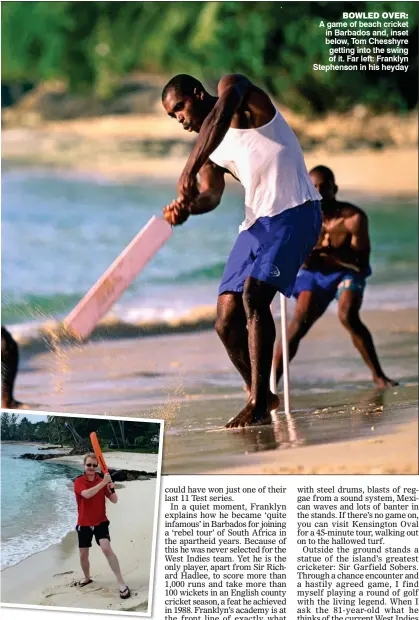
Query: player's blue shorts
{"points": [[329, 286], [273, 249]]}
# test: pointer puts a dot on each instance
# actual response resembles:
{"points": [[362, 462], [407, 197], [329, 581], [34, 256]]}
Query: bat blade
{"points": [[99, 455], [116, 279], [98, 452]]}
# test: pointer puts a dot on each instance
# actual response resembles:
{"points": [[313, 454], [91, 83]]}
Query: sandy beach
{"points": [[158, 356], [367, 151], [151, 147], [392, 453], [49, 578], [188, 380], [119, 460]]}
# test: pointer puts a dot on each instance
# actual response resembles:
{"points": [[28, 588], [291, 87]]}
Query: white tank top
{"points": [[269, 163]]}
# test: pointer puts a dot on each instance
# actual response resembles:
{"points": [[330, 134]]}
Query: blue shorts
{"points": [[273, 249], [329, 286]]}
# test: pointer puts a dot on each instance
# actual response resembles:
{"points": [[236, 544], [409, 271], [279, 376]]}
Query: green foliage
{"points": [[34, 36], [143, 436], [9, 426], [94, 44]]}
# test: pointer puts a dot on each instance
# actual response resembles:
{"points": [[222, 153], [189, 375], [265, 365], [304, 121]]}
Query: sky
{"points": [[32, 417]]}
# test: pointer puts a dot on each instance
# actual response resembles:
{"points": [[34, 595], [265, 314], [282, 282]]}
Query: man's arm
{"points": [[211, 191], [111, 496], [353, 255], [357, 225], [88, 493], [231, 91], [356, 253]]}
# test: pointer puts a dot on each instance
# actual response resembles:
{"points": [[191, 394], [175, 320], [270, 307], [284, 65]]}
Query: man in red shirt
{"points": [[91, 491]]}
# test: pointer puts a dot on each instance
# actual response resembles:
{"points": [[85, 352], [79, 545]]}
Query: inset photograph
{"points": [[79, 505]]}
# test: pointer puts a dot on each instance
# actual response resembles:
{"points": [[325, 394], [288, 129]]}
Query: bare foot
{"points": [[384, 382], [250, 415], [273, 399]]}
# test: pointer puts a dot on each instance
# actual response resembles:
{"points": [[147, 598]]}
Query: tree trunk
{"points": [[121, 428], [114, 433]]}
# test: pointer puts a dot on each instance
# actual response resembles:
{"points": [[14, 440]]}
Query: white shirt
{"points": [[269, 163]]}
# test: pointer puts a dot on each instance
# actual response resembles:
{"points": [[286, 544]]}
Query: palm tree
{"points": [[56, 428], [25, 429]]}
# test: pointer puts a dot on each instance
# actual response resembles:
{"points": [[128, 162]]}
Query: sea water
{"points": [[61, 231], [38, 505]]}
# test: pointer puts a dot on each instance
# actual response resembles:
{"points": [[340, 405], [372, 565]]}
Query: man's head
{"points": [[185, 99], [90, 464], [323, 180]]}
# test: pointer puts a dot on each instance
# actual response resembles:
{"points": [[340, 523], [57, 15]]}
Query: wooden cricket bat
{"points": [[99, 455], [116, 279]]}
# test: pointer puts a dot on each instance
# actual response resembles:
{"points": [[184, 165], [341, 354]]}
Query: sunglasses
{"points": [[91, 465]]}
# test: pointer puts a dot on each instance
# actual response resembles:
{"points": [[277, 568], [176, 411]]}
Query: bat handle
{"points": [[110, 490]]}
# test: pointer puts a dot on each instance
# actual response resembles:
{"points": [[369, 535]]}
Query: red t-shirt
{"points": [[92, 511]]}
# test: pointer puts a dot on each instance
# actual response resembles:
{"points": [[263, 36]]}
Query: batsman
{"points": [[241, 133], [91, 493]]}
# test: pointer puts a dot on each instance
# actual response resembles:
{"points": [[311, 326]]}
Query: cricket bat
{"points": [[117, 278], [99, 455]]}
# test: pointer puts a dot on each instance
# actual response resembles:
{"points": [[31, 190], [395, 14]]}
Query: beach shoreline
{"points": [[156, 354], [128, 148], [365, 171], [187, 380], [49, 575], [35, 444], [382, 454], [51, 336], [118, 459]]}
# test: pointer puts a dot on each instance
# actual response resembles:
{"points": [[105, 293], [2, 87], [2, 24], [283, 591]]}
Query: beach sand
{"points": [[188, 380], [180, 372], [151, 145], [119, 460], [392, 453], [48, 578]]}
